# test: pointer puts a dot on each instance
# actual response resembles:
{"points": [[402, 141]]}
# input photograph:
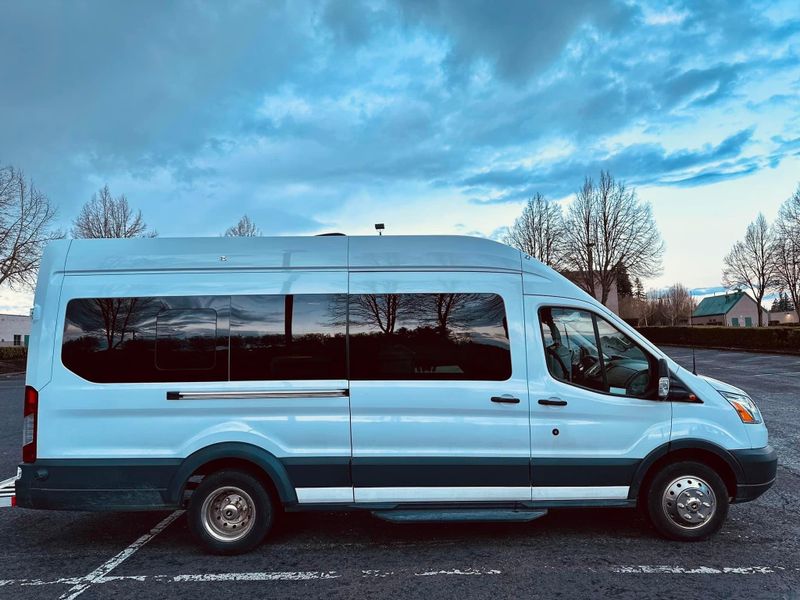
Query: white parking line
{"points": [[111, 564], [650, 569], [80, 584]]}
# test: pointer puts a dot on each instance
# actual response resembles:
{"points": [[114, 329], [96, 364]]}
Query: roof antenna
{"points": [[379, 227]]}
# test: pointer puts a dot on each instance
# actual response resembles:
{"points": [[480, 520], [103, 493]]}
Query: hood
{"points": [[721, 386]]}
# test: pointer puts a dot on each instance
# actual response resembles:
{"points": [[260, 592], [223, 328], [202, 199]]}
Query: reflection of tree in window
{"points": [[433, 336], [378, 310], [112, 319], [114, 340]]}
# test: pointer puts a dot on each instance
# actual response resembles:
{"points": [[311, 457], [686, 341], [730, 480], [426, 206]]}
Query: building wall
{"points": [[14, 325], [709, 320], [613, 299], [783, 317], [745, 308]]}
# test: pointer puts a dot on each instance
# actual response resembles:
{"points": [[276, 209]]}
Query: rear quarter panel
{"points": [[82, 419]]}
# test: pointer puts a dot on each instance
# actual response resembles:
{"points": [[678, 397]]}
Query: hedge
{"points": [[13, 352], [772, 339]]}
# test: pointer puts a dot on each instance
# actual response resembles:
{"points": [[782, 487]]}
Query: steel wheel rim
{"points": [[228, 514], [689, 502]]}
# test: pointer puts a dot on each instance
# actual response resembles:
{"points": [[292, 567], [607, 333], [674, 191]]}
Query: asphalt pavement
{"points": [[568, 553]]}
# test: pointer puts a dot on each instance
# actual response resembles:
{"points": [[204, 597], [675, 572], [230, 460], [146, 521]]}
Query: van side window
{"points": [[299, 336], [185, 339], [429, 336], [585, 350], [136, 339]]}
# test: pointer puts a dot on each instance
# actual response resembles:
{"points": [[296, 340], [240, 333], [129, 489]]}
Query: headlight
{"points": [[745, 407]]}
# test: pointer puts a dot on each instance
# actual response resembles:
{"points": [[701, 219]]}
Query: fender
{"points": [[682, 444], [258, 456]]}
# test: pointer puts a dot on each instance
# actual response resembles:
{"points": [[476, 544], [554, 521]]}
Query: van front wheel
{"points": [[230, 512], [687, 501]]}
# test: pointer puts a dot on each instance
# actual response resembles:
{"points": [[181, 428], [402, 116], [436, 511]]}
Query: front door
{"points": [[438, 388], [594, 408]]}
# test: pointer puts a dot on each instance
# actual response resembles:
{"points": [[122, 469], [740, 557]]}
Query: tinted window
{"points": [[147, 339], [288, 337], [185, 339], [428, 336], [588, 351]]}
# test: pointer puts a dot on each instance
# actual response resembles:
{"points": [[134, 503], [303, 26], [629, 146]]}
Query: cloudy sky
{"points": [[434, 116]]}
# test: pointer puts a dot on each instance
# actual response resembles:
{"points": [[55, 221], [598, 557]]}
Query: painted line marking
{"points": [[660, 569], [459, 572], [275, 576], [80, 584], [112, 563]]}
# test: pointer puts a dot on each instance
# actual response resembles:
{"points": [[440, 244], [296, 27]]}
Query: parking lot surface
{"points": [[568, 553]]}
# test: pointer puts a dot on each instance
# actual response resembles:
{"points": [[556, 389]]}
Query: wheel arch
{"points": [[260, 462], [713, 455]]}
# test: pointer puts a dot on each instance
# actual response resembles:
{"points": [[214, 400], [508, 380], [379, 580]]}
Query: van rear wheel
{"points": [[230, 512], [687, 501]]}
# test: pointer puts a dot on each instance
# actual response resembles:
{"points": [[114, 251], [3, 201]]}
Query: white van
{"points": [[415, 377]]}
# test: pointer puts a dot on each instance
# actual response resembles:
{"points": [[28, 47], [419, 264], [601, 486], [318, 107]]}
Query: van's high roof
{"points": [[309, 252], [367, 253]]}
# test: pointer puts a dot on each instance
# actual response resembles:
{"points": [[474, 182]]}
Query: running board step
{"points": [[426, 515]]}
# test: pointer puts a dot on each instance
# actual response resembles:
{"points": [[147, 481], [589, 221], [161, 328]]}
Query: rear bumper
{"points": [[758, 469], [91, 485]]}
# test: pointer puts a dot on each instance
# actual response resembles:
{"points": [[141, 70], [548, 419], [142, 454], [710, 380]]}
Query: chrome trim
{"points": [[442, 494], [324, 495], [257, 394], [611, 492]]}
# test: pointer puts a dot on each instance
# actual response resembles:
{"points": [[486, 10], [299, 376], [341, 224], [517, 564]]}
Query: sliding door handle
{"points": [[553, 402], [505, 399]]}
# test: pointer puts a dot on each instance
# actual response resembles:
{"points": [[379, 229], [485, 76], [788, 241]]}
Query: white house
{"points": [[733, 309], [783, 317], [14, 330]]}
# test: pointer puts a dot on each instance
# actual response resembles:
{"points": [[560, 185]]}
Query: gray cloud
{"points": [[637, 163], [288, 109]]}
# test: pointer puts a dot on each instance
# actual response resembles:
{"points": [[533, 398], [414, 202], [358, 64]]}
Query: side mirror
{"points": [[663, 379]]}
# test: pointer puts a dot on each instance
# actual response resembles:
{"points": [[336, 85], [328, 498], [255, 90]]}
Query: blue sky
{"points": [[432, 116]]}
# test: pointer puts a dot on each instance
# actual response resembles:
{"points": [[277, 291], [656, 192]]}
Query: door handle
{"points": [[505, 399], [553, 402]]}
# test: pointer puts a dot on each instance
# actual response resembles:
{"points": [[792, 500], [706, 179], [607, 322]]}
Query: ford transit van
{"points": [[419, 378]]}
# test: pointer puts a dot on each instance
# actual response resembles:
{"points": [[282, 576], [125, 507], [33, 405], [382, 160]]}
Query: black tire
{"points": [[688, 481], [249, 508]]}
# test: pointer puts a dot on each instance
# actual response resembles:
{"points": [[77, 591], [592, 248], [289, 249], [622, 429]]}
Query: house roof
{"points": [[717, 305]]}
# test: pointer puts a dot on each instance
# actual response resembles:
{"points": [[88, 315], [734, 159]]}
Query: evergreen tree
{"points": [[624, 288], [638, 289]]}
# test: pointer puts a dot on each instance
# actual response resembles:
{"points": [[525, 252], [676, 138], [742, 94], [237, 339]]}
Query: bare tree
{"points": [[26, 225], [751, 262], [608, 228], [107, 217], [672, 306], [244, 228], [377, 310], [539, 232], [787, 248]]}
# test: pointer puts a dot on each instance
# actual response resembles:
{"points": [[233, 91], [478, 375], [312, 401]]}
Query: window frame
{"points": [[652, 361]]}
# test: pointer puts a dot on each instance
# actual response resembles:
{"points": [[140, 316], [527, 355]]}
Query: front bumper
{"points": [[758, 470]]}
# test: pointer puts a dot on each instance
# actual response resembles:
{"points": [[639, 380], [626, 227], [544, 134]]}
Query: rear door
{"points": [[438, 387], [594, 415]]}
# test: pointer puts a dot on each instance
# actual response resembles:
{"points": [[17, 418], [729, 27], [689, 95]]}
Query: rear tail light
{"points": [[29, 418]]}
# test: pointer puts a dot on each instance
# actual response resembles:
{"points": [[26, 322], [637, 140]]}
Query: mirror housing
{"points": [[663, 379]]}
